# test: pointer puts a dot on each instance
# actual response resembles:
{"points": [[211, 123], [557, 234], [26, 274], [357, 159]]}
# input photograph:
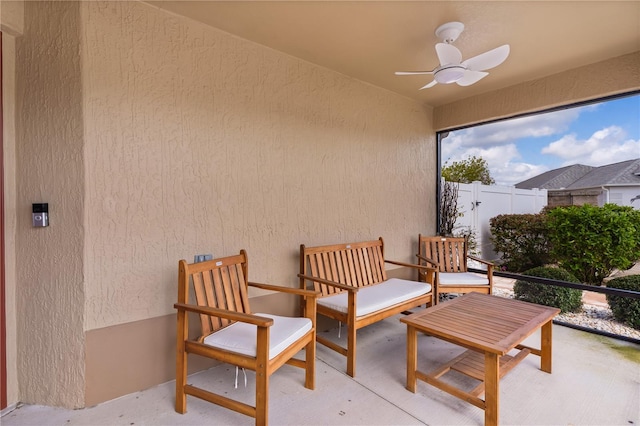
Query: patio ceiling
{"points": [[369, 40]]}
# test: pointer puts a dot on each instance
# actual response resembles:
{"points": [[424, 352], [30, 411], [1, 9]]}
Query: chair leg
{"points": [[310, 364], [262, 396], [351, 350], [181, 366]]}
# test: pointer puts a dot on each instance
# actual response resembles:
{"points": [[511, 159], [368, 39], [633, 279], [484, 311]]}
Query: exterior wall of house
{"points": [[620, 195], [574, 198], [11, 24], [49, 168], [154, 138]]}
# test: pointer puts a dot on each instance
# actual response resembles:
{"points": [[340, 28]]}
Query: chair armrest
{"points": [[222, 313], [297, 291], [428, 260], [329, 282], [477, 259], [410, 265]]}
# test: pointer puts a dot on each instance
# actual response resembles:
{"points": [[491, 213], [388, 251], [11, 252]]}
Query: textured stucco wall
{"points": [[201, 142], [9, 166], [611, 77], [49, 295]]}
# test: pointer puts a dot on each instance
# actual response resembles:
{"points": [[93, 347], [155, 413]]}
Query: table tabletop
{"points": [[482, 322]]}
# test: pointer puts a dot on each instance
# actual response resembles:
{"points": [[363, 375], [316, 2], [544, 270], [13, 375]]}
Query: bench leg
{"points": [[351, 350]]}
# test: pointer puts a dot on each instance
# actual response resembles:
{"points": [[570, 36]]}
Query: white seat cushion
{"points": [[378, 296], [462, 278], [240, 337]]}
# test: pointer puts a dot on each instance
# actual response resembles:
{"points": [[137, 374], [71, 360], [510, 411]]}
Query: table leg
{"points": [[545, 347], [412, 357], [491, 388]]}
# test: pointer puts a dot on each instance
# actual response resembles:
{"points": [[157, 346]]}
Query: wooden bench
{"points": [[354, 288]]}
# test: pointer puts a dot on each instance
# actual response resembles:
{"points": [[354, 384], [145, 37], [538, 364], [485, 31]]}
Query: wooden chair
{"points": [[449, 255], [231, 333]]}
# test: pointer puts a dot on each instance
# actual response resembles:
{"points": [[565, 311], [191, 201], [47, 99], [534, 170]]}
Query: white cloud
{"points": [[507, 131], [606, 146], [510, 173]]}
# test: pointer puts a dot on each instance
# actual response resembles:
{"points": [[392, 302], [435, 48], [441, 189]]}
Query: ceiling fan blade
{"points": [[488, 60], [426, 86], [413, 72], [471, 77], [448, 54]]}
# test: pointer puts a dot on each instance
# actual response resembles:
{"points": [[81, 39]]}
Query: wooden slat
{"points": [[235, 288], [199, 291], [210, 300], [220, 298], [244, 292], [228, 291]]}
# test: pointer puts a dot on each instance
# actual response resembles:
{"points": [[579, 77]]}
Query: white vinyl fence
{"points": [[479, 203]]}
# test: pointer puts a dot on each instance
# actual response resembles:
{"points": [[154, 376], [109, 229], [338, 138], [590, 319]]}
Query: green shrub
{"points": [[625, 309], [521, 239], [591, 241], [567, 299]]}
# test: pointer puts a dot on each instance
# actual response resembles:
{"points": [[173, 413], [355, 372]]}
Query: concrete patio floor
{"points": [[595, 381]]}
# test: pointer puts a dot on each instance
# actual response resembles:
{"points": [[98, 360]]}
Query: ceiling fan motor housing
{"points": [[449, 74]]}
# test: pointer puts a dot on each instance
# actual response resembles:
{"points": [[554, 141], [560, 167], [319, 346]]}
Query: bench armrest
{"points": [[222, 313], [329, 282], [290, 290]]}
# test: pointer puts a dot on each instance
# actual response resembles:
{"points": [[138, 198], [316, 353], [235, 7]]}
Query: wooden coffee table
{"points": [[490, 327]]}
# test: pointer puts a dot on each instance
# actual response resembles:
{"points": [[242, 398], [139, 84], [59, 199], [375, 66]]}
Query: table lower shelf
{"points": [[471, 363]]}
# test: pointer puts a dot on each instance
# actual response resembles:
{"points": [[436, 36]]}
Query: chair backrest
{"points": [[449, 252], [355, 264], [219, 283]]}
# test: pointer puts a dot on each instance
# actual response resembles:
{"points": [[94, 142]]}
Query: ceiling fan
{"points": [[452, 68]]}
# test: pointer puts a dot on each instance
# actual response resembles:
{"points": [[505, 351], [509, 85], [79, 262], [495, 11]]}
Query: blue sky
{"points": [[515, 150]]}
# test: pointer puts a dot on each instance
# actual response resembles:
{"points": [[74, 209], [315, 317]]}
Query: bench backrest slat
{"points": [[449, 252], [356, 264], [218, 283]]}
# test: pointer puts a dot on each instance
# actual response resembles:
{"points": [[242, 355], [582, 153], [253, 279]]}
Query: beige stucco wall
{"points": [[200, 142], [11, 24], [153, 138], [49, 165]]}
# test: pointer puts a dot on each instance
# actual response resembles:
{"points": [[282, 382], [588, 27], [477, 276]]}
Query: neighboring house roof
{"points": [[556, 178], [580, 176]]}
